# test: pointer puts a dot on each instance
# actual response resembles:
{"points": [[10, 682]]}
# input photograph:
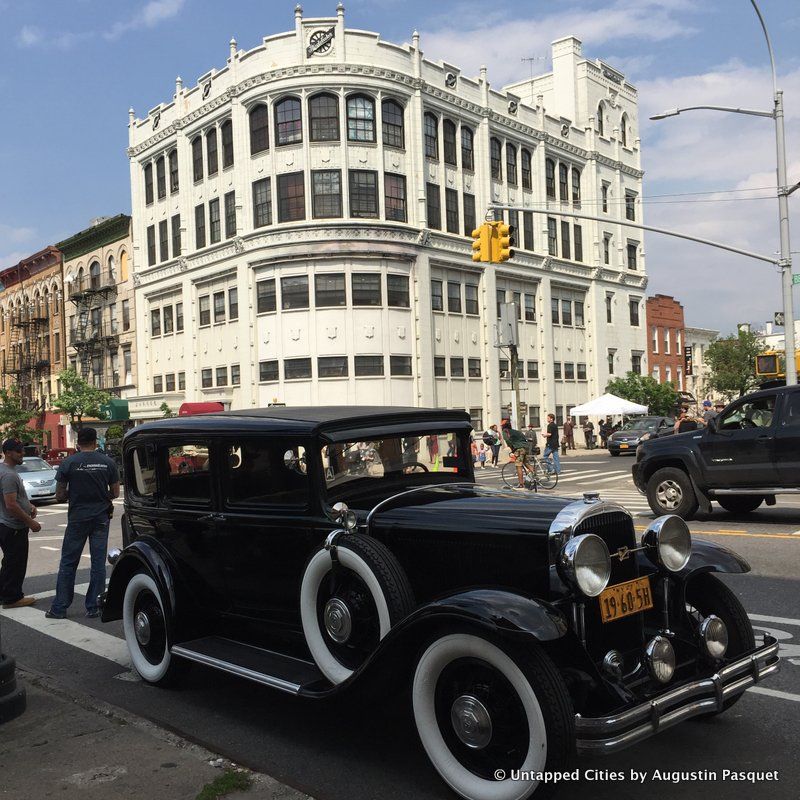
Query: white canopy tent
{"points": [[605, 405]]}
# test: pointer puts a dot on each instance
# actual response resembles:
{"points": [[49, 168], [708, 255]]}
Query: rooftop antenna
{"points": [[530, 60]]}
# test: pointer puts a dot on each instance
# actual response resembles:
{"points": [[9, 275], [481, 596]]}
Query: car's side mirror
{"points": [[711, 425], [344, 516]]}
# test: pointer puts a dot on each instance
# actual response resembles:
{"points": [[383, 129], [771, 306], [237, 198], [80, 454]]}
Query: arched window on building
{"points": [[563, 183], [226, 131], [550, 178], [173, 171], [123, 266], [212, 152], [148, 183], [323, 118], [576, 186], [527, 178], [431, 131], [94, 274], [511, 164], [393, 126], [623, 130], [600, 123], [197, 158], [288, 121], [112, 269], [79, 280], [259, 129], [360, 118], [496, 158], [467, 148], [161, 178], [449, 139]]}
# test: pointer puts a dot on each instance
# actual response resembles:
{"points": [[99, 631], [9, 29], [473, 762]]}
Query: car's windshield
{"points": [[409, 458], [33, 465], [640, 425]]}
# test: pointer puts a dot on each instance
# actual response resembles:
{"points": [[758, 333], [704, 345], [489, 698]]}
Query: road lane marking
{"points": [[45, 547], [775, 693], [45, 538], [787, 536], [778, 620]]}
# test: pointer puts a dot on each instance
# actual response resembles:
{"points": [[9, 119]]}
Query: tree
{"points": [[78, 398], [647, 391], [166, 411], [15, 418], [731, 364]]}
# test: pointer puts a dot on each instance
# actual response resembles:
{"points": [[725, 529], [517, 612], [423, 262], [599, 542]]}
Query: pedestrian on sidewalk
{"points": [[588, 434], [551, 444], [569, 433], [90, 481], [17, 516], [491, 437]]}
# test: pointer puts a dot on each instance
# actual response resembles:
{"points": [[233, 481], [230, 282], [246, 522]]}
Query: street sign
{"points": [[778, 319], [688, 361], [507, 329], [795, 280]]}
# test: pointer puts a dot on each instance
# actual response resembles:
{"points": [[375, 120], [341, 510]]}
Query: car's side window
{"points": [[270, 472], [757, 413], [791, 417], [143, 465], [189, 474]]}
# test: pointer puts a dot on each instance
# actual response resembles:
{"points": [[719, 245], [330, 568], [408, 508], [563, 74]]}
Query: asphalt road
{"points": [[354, 749]]}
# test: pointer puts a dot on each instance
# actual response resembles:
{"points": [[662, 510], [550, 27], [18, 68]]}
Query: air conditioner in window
{"points": [[505, 374]]}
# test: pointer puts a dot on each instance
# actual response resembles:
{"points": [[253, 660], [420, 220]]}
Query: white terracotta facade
{"points": [[366, 339]]}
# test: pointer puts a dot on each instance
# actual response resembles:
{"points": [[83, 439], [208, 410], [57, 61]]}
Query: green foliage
{"points": [[166, 411], [78, 398], [114, 432], [15, 418], [647, 391], [230, 781], [731, 364]]}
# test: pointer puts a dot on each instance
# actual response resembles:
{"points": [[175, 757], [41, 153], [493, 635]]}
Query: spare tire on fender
{"points": [[350, 598]]}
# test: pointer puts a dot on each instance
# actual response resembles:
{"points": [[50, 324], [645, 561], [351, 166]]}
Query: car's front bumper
{"points": [[602, 735], [636, 475], [617, 447]]}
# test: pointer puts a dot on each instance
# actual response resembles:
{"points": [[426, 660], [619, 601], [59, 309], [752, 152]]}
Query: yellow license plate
{"points": [[625, 599], [624, 446]]}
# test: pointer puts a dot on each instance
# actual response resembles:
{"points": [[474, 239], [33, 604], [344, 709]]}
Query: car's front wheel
{"points": [[145, 623], [670, 491], [740, 504], [349, 601], [705, 595], [485, 713]]}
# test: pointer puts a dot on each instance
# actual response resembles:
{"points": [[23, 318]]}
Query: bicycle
{"points": [[536, 472]]}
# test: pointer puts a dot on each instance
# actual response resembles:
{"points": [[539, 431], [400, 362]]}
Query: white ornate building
{"points": [[300, 219]]}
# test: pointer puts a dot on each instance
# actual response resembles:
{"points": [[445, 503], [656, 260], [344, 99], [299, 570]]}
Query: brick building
{"points": [[666, 340]]}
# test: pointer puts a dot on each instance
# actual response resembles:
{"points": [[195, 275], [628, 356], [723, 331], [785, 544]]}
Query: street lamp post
{"points": [[785, 261]]}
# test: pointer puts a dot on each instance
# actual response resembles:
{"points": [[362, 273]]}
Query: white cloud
{"points": [[10, 240], [153, 13], [29, 36]]}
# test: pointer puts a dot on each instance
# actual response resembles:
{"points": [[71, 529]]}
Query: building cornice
{"points": [[107, 232]]}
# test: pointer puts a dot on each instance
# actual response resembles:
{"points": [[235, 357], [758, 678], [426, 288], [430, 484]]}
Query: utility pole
{"points": [[508, 336]]}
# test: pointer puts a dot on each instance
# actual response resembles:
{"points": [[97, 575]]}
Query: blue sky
{"points": [[69, 70]]}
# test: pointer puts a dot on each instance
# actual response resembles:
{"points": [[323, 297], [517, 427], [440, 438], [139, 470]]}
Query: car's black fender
{"points": [[495, 613], [705, 557], [141, 554]]}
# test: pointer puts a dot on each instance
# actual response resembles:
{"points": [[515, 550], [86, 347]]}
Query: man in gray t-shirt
{"points": [[17, 516]]}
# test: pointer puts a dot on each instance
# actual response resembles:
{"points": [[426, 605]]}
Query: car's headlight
{"points": [[644, 437], [584, 563], [668, 543]]}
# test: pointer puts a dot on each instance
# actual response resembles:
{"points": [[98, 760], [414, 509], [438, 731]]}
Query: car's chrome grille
{"points": [[616, 529]]}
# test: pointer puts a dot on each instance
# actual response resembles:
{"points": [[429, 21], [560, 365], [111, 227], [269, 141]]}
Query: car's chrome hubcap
{"points": [[338, 622], [669, 494], [471, 721], [141, 626]]}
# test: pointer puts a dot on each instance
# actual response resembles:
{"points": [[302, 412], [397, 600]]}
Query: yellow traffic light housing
{"points": [[482, 243], [501, 242]]}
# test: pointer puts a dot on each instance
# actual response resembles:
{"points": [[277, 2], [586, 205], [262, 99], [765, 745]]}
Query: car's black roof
{"points": [[304, 419]]}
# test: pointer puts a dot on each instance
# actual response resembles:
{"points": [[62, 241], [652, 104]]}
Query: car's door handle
{"points": [[212, 518], [763, 438]]}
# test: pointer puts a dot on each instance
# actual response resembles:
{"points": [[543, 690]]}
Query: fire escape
{"points": [[27, 357], [92, 337]]}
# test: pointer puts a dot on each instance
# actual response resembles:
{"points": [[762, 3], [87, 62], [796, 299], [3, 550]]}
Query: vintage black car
{"points": [[12, 696], [525, 627]]}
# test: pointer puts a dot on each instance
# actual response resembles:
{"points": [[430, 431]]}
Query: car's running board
{"points": [[253, 663], [748, 490]]}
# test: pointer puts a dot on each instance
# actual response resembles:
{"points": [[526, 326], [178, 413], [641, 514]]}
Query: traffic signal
{"points": [[501, 242], [482, 243]]}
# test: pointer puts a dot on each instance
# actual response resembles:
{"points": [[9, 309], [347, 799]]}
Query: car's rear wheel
{"points": [[706, 594], [740, 504], [670, 491], [147, 633], [483, 711], [349, 601]]}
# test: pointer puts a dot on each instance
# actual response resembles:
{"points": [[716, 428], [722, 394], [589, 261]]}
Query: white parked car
{"points": [[39, 478]]}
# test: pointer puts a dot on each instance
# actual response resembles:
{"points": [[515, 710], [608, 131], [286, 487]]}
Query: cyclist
{"points": [[550, 454], [518, 445]]}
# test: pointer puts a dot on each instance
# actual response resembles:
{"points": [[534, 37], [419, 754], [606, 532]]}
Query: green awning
{"points": [[116, 410]]}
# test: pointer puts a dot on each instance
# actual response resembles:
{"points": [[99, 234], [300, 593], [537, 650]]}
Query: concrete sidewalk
{"points": [[74, 747]]}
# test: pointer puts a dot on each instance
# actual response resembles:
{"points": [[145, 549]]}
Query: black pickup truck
{"points": [[745, 456]]}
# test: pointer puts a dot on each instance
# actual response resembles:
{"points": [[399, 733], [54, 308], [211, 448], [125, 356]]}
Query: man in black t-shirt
{"points": [[90, 482], [551, 444]]}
